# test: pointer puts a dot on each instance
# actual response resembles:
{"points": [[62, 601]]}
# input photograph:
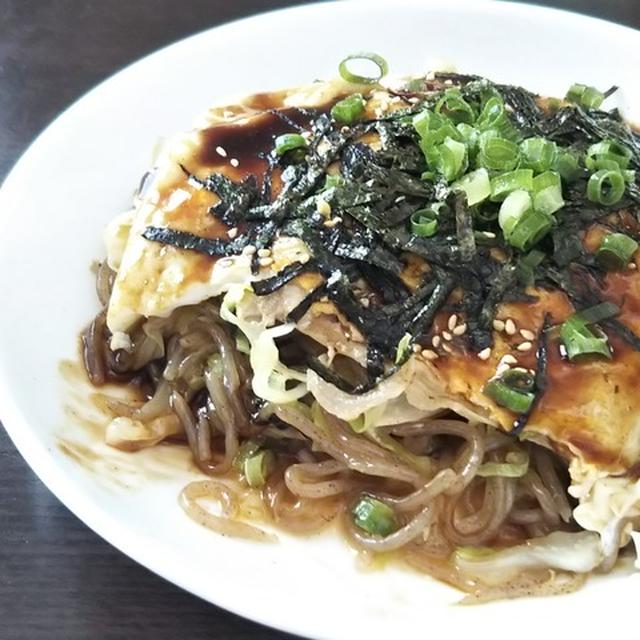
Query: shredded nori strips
{"points": [[369, 241]]}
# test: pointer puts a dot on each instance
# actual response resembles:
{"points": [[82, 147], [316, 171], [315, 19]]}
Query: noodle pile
{"points": [[195, 385]]}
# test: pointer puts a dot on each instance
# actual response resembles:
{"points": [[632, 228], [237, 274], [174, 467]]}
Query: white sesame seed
{"points": [[414, 100], [323, 207], [524, 346], [436, 340], [453, 321], [429, 355], [502, 368], [264, 253], [489, 234], [307, 135], [498, 325], [265, 262], [446, 347], [249, 250], [364, 302], [507, 358], [221, 151], [333, 222], [485, 354], [460, 330], [416, 348], [345, 129], [234, 162], [563, 351], [448, 82], [446, 335], [510, 327], [233, 232], [632, 265], [527, 335]]}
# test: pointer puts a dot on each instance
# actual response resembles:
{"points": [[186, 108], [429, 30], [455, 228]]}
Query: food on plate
{"points": [[408, 307]]}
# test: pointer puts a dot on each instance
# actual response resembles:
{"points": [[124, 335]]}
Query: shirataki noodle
{"points": [[196, 390]]}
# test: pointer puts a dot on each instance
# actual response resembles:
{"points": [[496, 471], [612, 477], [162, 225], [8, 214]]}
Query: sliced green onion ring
{"points": [[530, 229], [505, 183], [452, 159], [547, 193], [579, 339], [453, 105], [505, 396], [349, 109], [568, 166], [475, 185], [585, 96], [498, 154], [424, 222], [289, 142], [606, 186], [515, 205], [538, 154], [374, 516], [607, 154], [256, 468], [616, 251], [379, 61]]}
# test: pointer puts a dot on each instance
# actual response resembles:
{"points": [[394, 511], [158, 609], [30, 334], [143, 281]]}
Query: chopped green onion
{"points": [[332, 181], [374, 516], [476, 186], [606, 187], [525, 268], [530, 229], [538, 154], [515, 205], [579, 339], [505, 183], [607, 154], [348, 110], [256, 468], [469, 135], [498, 154], [379, 61], [453, 159], [505, 396], [547, 193], [247, 449], [585, 96], [453, 105], [289, 142], [424, 222], [494, 116], [516, 465], [616, 250], [403, 348], [568, 166]]}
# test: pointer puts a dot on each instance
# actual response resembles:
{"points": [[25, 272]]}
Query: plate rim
{"points": [[35, 452]]}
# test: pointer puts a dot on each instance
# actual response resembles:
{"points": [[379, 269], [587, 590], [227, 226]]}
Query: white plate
{"points": [[81, 171]]}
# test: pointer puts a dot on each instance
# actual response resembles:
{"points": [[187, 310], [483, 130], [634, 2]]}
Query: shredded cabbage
{"points": [[516, 466], [270, 376], [579, 552], [350, 407]]}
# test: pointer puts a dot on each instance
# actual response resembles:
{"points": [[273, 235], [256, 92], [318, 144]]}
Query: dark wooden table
{"points": [[58, 580]]}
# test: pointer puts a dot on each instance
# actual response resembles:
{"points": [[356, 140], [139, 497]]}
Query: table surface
{"points": [[58, 579]]}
